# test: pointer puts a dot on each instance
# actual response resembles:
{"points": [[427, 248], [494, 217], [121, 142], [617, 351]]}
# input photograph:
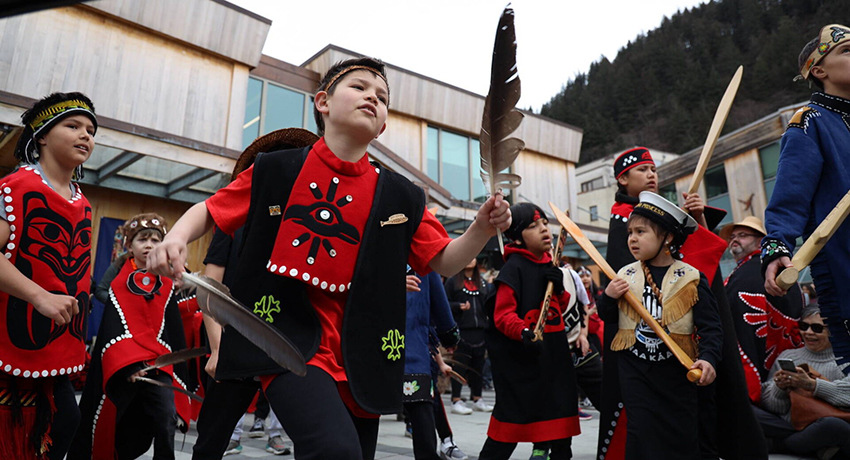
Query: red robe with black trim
{"points": [[49, 243], [140, 323]]}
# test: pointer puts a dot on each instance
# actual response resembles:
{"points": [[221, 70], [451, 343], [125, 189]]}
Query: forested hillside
{"points": [[662, 89]]}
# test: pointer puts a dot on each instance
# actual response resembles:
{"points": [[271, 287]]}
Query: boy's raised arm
{"points": [[494, 213], [169, 257]]}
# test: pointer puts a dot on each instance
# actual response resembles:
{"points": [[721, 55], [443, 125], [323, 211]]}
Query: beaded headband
{"points": [[830, 37], [344, 71]]}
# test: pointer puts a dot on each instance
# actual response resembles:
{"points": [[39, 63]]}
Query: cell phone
{"points": [[787, 365]]}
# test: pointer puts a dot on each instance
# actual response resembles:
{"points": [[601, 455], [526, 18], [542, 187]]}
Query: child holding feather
{"points": [[536, 396], [661, 403]]}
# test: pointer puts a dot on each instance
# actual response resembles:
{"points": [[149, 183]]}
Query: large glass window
{"points": [[271, 106], [769, 156], [717, 192], [453, 160]]}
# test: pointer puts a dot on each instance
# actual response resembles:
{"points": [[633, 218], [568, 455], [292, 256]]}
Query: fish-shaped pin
{"points": [[395, 219]]}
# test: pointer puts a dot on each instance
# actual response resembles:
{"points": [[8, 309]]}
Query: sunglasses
{"points": [[817, 328]]}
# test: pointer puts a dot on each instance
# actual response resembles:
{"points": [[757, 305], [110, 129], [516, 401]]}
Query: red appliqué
{"points": [[779, 331]]}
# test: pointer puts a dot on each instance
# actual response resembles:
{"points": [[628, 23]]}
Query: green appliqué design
{"points": [[266, 306], [394, 342]]}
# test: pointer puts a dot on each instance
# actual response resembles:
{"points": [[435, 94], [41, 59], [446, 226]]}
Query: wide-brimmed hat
{"points": [[751, 222], [282, 139]]}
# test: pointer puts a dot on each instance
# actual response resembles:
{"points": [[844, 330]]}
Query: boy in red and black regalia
{"points": [[662, 404], [45, 236], [327, 240], [727, 423], [536, 396], [120, 415]]}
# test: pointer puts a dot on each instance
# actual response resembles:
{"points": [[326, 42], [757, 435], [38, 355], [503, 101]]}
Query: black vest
{"points": [[375, 308]]}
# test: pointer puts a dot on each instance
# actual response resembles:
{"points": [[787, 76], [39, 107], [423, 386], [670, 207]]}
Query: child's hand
{"points": [[695, 207], [770, 273], [59, 308], [168, 258], [413, 283], [445, 369], [708, 372], [494, 214], [583, 344], [132, 378], [465, 306], [212, 363], [616, 288]]}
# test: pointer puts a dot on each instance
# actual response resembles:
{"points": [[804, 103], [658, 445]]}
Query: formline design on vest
{"points": [[394, 342], [266, 306]]}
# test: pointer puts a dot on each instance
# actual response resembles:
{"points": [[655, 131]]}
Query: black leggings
{"points": [[421, 417], [315, 418], [225, 402], [471, 360], [559, 449], [65, 420]]}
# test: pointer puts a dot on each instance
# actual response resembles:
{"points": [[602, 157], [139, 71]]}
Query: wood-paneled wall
{"points": [[124, 205], [131, 74], [746, 185]]}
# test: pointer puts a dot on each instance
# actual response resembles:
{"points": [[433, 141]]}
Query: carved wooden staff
{"points": [[716, 126], [693, 374], [550, 287], [816, 241]]}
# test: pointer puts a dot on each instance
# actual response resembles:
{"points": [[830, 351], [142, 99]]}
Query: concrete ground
{"points": [[469, 434]]}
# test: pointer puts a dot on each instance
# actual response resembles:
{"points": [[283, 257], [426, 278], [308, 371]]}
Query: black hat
{"points": [[523, 215], [631, 158], [666, 214]]}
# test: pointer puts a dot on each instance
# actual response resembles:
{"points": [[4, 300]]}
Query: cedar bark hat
{"points": [[282, 139], [751, 222]]}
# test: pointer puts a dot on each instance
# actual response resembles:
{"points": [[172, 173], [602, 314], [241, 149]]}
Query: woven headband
{"points": [[349, 69], [51, 112], [830, 37]]}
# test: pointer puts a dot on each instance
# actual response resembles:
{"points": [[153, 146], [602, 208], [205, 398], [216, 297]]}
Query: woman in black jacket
{"points": [[466, 292]]}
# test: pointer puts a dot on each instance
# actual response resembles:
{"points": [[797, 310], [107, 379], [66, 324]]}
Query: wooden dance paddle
{"points": [[574, 231], [550, 287], [816, 241], [716, 126]]}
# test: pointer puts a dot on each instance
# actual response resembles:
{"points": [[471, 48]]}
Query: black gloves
{"points": [[528, 341], [556, 276]]}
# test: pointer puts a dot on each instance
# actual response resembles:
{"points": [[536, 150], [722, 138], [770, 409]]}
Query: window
{"points": [[591, 185], [769, 156], [453, 160], [594, 213], [270, 107], [717, 192], [669, 193]]}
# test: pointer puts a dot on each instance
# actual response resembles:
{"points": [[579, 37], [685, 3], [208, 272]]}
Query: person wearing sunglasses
{"points": [[827, 437], [753, 309]]}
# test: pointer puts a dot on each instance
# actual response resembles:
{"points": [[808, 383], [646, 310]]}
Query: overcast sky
{"points": [[452, 40]]}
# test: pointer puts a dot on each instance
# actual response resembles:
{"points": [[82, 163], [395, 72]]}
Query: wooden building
{"points": [[741, 174], [180, 88]]}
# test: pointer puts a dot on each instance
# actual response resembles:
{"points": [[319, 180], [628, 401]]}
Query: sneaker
{"points": [[585, 403], [258, 429], [482, 406], [233, 448], [276, 446], [582, 415], [539, 454], [408, 431], [458, 407], [450, 451]]}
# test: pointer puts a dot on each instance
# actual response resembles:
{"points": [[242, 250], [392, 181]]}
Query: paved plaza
{"points": [[469, 433]]}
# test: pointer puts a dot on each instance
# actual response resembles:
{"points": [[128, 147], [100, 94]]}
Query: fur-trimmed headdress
{"points": [[139, 222]]}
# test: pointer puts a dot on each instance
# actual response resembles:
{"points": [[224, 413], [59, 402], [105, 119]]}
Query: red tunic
{"points": [[50, 243], [325, 264]]}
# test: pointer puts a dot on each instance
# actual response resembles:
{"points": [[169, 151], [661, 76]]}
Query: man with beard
{"points": [[766, 325]]}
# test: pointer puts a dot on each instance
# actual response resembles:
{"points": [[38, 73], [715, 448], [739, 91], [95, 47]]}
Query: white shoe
{"points": [[481, 406], [458, 407], [450, 451]]}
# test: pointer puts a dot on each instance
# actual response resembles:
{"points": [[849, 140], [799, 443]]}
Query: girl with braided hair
{"points": [[662, 405]]}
